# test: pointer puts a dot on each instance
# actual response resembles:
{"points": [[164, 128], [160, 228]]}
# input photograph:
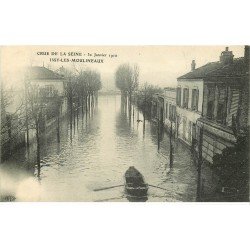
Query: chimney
{"points": [[193, 64], [226, 56]]}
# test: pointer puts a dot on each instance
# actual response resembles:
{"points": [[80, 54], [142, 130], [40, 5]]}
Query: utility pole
{"points": [[158, 133], [199, 165], [171, 146]]}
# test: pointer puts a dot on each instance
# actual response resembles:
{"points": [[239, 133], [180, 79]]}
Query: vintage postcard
{"points": [[124, 123]]}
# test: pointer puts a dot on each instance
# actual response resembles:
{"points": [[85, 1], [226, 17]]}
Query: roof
{"points": [[236, 68], [170, 89], [40, 73]]}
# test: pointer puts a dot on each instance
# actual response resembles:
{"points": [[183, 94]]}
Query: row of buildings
{"points": [[214, 97]]}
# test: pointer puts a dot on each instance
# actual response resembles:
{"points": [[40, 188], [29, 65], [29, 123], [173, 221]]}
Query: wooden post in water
{"points": [[199, 165], [171, 146], [158, 133]]}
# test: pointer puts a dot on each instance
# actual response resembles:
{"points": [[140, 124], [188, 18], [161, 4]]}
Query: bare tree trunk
{"points": [[89, 104], [26, 117], [144, 124], [38, 148], [129, 104], [82, 106], [58, 128], [158, 134]]}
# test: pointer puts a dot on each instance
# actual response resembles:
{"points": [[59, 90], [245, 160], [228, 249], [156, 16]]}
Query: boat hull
{"points": [[139, 191]]}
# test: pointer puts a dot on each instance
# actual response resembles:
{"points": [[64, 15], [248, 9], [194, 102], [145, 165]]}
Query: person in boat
{"points": [[133, 177]]}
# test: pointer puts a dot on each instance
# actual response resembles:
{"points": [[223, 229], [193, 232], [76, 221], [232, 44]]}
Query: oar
{"points": [[100, 189], [157, 187]]}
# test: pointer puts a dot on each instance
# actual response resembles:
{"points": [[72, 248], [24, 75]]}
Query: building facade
{"points": [[49, 84], [163, 108], [170, 108], [189, 97]]}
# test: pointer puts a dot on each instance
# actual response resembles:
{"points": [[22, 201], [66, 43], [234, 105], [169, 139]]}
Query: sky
{"points": [[159, 65]]}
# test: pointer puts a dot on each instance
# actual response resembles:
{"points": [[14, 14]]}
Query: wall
{"points": [[215, 139]]}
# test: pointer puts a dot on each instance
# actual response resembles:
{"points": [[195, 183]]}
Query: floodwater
{"points": [[96, 155]]}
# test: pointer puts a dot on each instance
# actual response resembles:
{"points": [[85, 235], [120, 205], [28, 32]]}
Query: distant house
{"points": [[170, 107], [154, 107], [46, 80], [48, 83], [164, 108]]}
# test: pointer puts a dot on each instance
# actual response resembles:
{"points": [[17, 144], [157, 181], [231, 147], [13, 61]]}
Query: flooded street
{"points": [[97, 153]]}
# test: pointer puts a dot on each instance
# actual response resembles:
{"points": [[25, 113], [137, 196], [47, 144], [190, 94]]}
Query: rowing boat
{"points": [[134, 183]]}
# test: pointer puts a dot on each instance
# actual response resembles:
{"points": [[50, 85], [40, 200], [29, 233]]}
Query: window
{"points": [[185, 98], [210, 103], [195, 99], [47, 91], [221, 109], [173, 113], [178, 96], [170, 111]]}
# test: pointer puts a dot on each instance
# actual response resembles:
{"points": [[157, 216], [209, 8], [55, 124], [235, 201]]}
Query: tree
{"points": [[35, 115], [127, 81], [11, 126], [144, 97], [41, 106]]}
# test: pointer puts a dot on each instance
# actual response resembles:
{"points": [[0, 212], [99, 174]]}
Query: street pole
{"points": [[198, 194], [171, 146], [158, 133]]}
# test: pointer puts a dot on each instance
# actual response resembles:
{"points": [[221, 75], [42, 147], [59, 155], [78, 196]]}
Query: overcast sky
{"points": [[159, 65]]}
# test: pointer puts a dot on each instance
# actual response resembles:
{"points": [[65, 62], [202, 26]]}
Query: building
{"points": [[214, 97], [170, 108], [189, 98], [49, 83], [163, 108], [225, 103]]}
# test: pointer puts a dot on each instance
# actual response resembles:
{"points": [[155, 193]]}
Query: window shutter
{"points": [[184, 95], [193, 99], [180, 97], [197, 99]]}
